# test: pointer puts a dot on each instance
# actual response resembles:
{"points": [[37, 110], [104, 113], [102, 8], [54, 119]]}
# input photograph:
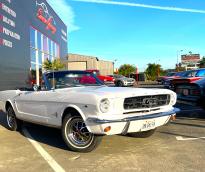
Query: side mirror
{"points": [[36, 87]]}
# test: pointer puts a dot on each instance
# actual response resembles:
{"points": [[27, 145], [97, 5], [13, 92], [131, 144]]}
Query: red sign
{"points": [[192, 58], [48, 22]]}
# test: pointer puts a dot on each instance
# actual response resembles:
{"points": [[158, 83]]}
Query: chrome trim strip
{"points": [[135, 118]]}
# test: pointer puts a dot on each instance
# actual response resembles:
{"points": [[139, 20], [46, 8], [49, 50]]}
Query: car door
{"points": [[39, 106]]}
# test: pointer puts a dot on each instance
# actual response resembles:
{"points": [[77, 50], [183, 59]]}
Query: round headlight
{"points": [[104, 105]]}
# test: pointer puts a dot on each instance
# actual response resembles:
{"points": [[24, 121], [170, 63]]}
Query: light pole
{"points": [[178, 53], [114, 62]]}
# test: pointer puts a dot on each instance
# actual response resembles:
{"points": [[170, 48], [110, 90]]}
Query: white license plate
{"points": [[149, 124]]}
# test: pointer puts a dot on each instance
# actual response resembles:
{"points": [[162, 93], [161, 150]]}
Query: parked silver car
{"points": [[121, 81]]}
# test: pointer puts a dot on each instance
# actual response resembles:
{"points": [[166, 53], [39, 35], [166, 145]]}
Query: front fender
{"points": [[79, 111]]}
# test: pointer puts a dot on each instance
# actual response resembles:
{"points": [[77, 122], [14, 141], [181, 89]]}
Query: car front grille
{"points": [[146, 101]]}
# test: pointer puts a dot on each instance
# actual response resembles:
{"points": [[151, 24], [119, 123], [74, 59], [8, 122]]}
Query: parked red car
{"points": [[162, 78], [108, 80], [191, 76]]}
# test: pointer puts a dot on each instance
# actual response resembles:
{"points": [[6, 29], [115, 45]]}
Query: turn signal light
{"points": [[173, 117], [107, 129]]}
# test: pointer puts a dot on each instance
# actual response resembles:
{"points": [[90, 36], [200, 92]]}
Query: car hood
{"points": [[118, 92]]}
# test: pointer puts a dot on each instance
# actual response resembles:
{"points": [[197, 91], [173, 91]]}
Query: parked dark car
{"points": [[193, 93], [167, 81], [188, 77]]}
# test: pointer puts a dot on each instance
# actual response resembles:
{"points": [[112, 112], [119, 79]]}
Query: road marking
{"points": [[54, 165], [180, 138]]}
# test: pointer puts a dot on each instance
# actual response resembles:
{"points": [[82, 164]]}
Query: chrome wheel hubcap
{"points": [[78, 133], [10, 118]]}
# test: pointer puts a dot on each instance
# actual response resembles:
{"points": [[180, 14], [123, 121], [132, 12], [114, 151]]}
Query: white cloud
{"points": [[143, 6], [65, 12]]}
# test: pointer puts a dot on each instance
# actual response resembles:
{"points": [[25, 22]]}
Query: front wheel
{"points": [[76, 135], [143, 134], [13, 123], [119, 84]]}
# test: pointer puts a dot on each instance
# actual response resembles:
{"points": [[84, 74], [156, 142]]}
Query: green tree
{"points": [[202, 63], [126, 69], [153, 71], [53, 65]]}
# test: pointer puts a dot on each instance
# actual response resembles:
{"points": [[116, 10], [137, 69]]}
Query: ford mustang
{"points": [[85, 109]]}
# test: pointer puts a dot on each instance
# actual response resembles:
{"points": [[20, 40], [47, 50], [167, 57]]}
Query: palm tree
{"points": [[53, 65]]}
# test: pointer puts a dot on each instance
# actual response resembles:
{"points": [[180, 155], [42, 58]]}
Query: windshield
{"points": [[200, 73], [171, 74], [96, 73], [119, 76], [72, 79]]}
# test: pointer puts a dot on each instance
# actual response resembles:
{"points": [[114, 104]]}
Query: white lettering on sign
{"points": [[11, 34], [63, 38], [6, 43], [8, 10], [8, 21], [63, 32]]}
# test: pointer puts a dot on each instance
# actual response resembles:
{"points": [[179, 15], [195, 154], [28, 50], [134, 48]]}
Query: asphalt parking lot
{"points": [[178, 146]]}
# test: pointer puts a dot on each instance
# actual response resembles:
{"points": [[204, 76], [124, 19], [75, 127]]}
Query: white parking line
{"points": [[54, 165], [180, 138]]}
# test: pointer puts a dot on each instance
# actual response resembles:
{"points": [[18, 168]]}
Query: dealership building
{"points": [[30, 33]]}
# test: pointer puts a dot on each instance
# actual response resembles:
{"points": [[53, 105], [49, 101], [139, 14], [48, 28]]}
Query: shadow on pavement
{"points": [[186, 124], [175, 134], [190, 111], [46, 135]]}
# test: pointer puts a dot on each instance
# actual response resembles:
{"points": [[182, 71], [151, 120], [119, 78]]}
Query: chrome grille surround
{"points": [[151, 101]]}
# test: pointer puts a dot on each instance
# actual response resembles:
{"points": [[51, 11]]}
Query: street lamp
{"points": [[178, 52], [114, 63]]}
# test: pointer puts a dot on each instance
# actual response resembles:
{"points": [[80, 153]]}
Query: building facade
{"points": [[82, 62], [30, 33]]}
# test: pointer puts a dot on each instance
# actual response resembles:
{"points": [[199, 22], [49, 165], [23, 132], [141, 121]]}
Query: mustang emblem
{"points": [[150, 101]]}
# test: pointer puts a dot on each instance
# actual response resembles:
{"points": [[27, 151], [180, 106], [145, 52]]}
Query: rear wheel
{"points": [[76, 135], [143, 134], [203, 103], [13, 123]]}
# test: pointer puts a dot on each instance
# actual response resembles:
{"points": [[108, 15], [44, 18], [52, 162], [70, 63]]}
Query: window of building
{"points": [[41, 48]]}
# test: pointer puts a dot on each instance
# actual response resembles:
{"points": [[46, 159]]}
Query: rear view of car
{"points": [[191, 93]]}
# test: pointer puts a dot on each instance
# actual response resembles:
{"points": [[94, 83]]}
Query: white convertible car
{"points": [[85, 109]]}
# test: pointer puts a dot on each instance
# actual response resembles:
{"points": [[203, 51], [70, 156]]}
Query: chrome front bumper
{"points": [[135, 118]]}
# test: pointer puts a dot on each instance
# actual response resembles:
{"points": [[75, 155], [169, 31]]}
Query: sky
{"points": [[134, 32]]}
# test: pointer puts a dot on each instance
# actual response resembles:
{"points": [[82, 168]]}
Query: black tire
{"points": [[13, 123], [119, 84], [202, 103], [78, 138], [143, 134]]}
